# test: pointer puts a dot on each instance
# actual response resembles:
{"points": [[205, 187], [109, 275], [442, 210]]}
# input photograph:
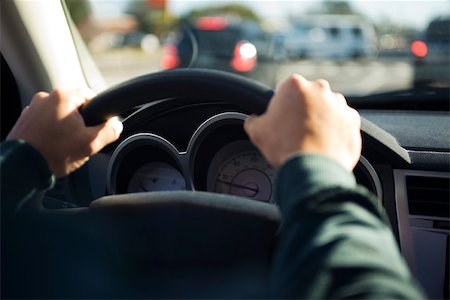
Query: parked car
{"points": [[331, 36], [223, 43], [430, 54]]}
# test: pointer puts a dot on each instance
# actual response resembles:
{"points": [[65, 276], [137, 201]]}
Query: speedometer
{"points": [[156, 176], [239, 169]]}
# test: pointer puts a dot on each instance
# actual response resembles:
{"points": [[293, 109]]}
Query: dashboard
{"points": [[218, 158]]}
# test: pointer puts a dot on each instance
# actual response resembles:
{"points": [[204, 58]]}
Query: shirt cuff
{"points": [[24, 160]]}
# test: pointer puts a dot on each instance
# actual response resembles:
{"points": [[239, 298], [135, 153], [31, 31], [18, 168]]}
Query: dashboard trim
{"points": [[403, 216], [374, 176]]}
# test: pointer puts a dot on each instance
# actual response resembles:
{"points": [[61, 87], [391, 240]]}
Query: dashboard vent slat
{"points": [[428, 196]]}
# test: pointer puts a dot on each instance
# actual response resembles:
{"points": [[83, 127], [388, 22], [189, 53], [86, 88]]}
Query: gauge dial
{"points": [[156, 176], [246, 174]]}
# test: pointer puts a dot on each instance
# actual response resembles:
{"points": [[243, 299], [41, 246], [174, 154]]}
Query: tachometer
{"points": [[156, 176], [239, 169]]}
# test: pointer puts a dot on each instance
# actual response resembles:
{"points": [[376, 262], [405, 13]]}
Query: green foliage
{"points": [[150, 20], [79, 10]]}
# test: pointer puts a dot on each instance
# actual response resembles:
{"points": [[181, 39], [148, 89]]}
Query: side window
{"points": [[122, 37]]}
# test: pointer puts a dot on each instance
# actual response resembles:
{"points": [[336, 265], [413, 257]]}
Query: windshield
{"points": [[360, 47]]}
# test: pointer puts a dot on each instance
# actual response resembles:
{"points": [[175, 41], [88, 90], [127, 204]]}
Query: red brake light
{"points": [[244, 59], [419, 48], [211, 23], [169, 58]]}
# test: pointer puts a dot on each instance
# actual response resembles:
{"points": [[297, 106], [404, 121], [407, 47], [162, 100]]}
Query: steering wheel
{"points": [[197, 83], [161, 240]]}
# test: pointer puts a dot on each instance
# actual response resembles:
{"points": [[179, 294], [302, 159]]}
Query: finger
{"points": [[323, 84], [88, 94], [298, 81], [249, 124], [252, 127], [76, 97], [340, 98], [293, 79], [38, 97], [25, 108], [105, 134], [356, 116]]}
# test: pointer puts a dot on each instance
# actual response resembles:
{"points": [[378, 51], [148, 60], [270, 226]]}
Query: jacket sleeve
{"points": [[23, 173], [335, 240]]}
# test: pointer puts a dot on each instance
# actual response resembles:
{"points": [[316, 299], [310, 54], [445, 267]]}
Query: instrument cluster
{"points": [[219, 158]]}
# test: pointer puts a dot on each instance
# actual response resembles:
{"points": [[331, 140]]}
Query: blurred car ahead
{"points": [[332, 37], [227, 44], [431, 54]]}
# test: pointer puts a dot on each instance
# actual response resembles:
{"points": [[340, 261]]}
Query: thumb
{"points": [[249, 124], [105, 133]]}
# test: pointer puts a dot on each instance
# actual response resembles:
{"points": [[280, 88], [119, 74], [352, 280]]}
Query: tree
{"points": [[330, 7], [151, 19], [80, 11]]}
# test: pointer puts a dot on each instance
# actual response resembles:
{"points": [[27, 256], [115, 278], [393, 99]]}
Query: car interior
{"points": [[165, 212]]}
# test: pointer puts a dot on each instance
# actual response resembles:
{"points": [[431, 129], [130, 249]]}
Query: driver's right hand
{"points": [[307, 117]]}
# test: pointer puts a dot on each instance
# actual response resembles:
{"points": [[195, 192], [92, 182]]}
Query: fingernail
{"points": [[117, 125]]}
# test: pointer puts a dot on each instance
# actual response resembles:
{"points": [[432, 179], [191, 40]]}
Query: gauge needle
{"points": [[239, 186], [142, 187]]}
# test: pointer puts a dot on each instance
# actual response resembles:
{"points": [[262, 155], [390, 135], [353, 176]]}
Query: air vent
{"points": [[428, 196]]}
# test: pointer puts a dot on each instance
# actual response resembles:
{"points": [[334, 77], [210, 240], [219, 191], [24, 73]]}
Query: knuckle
{"points": [[356, 116], [90, 148], [341, 98], [89, 143], [296, 80], [39, 96], [322, 83], [58, 94], [254, 135], [249, 124]]}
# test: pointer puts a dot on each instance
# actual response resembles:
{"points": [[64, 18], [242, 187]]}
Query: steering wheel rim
{"points": [[199, 83]]}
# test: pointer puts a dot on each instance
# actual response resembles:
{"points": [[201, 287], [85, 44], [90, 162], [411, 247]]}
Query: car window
{"points": [[360, 47]]}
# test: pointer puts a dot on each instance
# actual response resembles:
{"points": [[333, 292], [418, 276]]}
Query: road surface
{"points": [[349, 77], [354, 77]]}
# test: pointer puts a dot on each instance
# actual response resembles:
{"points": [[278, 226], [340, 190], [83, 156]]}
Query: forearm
{"points": [[23, 173], [335, 241]]}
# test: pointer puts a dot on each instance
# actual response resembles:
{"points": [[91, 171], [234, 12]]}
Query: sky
{"points": [[416, 13]]}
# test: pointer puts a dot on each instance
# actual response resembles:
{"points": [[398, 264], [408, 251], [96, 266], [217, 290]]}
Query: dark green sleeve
{"points": [[335, 241], [23, 173]]}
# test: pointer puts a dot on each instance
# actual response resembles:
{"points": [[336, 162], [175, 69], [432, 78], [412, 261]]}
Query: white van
{"points": [[331, 36]]}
